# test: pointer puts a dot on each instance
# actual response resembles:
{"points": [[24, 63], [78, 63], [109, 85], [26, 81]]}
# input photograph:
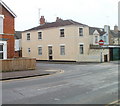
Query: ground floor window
{"points": [[81, 49], [29, 50], [3, 49], [62, 50], [39, 50]]}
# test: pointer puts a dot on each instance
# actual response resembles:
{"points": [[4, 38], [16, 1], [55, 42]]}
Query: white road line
{"points": [[95, 89], [54, 86]]}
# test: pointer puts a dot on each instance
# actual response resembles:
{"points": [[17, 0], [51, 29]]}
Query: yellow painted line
{"points": [[59, 72]]}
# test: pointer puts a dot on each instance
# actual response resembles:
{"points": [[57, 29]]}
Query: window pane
{"points": [[50, 50], [62, 50], [81, 49], [96, 39], [1, 25], [104, 38], [1, 47], [28, 36], [80, 31], [1, 55], [39, 50], [61, 32], [39, 35]]}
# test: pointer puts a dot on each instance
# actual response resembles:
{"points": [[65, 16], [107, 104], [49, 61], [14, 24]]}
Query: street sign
{"points": [[101, 42]]}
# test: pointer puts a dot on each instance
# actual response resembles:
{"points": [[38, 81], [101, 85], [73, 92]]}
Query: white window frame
{"points": [[96, 39], [4, 43], [29, 36], [40, 52], [40, 37], [62, 35], [2, 24], [105, 39], [81, 52], [62, 49], [81, 33]]}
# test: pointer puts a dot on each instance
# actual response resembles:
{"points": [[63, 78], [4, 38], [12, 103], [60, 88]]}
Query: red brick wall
{"points": [[9, 32]]}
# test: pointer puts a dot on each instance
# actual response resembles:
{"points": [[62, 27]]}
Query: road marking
{"points": [[58, 72], [114, 102], [107, 85], [56, 99], [54, 86]]}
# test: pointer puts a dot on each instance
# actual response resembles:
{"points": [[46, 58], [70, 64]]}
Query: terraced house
{"points": [[6, 31], [64, 40]]}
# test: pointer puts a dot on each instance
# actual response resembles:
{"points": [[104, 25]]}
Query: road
{"points": [[78, 84]]}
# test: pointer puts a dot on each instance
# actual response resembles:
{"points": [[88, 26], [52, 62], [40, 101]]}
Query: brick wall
{"points": [[8, 32]]}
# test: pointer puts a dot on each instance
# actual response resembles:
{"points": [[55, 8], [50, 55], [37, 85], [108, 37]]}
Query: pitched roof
{"points": [[100, 30], [56, 24], [18, 35], [5, 6], [114, 34]]}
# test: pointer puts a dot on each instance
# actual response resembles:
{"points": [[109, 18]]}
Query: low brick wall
{"points": [[18, 64]]}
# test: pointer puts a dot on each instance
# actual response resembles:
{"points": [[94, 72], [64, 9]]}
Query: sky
{"points": [[96, 13]]}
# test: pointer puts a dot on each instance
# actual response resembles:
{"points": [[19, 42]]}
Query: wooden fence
{"points": [[18, 64]]}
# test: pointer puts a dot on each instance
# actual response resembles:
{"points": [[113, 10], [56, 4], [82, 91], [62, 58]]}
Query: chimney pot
{"points": [[116, 28], [42, 20]]}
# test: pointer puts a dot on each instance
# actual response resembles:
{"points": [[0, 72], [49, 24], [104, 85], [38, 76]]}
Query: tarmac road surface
{"points": [[79, 84]]}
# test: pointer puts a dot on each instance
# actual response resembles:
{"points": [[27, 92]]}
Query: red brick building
{"points": [[7, 31]]}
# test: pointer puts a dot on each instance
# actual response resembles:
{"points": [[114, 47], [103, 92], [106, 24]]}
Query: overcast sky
{"points": [[95, 13]]}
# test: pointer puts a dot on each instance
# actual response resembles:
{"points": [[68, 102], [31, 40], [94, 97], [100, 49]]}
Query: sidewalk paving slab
{"points": [[26, 74]]}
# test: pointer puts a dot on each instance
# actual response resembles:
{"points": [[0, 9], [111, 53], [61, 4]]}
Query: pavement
{"points": [[28, 73]]}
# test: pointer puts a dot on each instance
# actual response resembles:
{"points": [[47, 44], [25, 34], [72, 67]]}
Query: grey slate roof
{"points": [[100, 30], [56, 24], [18, 35], [114, 34]]}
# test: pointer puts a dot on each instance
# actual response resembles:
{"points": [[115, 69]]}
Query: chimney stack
{"points": [[116, 28], [58, 19], [42, 20]]}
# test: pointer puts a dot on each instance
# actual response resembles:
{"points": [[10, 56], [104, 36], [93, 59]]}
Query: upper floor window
{"points": [[1, 24], [62, 33], [105, 39], [62, 50], [1, 48], [96, 39], [81, 48], [39, 35], [28, 36], [80, 31]]}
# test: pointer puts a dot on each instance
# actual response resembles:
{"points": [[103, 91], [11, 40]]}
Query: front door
{"points": [[50, 52], [105, 58]]}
